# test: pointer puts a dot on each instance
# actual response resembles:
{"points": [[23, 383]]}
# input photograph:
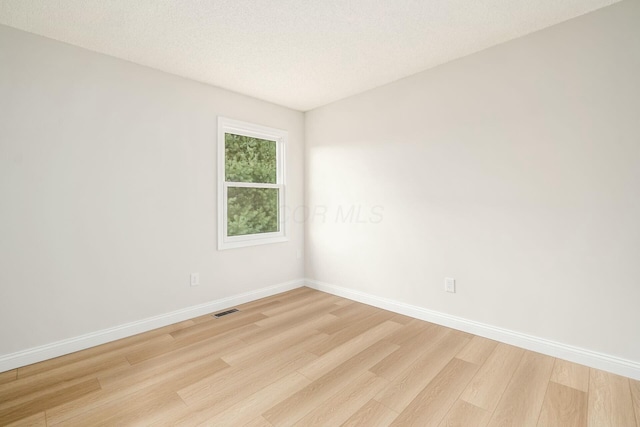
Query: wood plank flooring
{"points": [[306, 358]]}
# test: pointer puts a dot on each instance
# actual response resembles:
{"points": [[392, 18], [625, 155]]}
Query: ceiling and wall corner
{"points": [[299, 54]]}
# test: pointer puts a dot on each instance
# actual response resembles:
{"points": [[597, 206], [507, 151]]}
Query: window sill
{"points": [[233, 244]]}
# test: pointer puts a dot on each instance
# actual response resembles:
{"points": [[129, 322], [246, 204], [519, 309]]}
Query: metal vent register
{"points": [[224, 313]]}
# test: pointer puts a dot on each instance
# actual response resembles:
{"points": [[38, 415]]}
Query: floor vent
{"points": [[224, 313]]}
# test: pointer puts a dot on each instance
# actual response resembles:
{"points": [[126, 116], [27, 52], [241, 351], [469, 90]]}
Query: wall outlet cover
{"points": [[195, 279], [450, 285]]}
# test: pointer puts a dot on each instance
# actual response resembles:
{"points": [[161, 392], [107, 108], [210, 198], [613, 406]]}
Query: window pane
{"points": [[249, 159], [252, 211]]}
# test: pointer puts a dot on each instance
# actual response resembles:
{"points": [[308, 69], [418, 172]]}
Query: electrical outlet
{"points": [[195, 279], [450, 285]]}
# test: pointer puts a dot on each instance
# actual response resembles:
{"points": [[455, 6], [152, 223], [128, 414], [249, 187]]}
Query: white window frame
{"points": [[238, 127]]}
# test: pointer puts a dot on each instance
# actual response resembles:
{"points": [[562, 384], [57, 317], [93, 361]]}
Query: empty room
{"points": [[296, 213]]}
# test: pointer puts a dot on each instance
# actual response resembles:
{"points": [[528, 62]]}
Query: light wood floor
{"points": [[307, 358]]}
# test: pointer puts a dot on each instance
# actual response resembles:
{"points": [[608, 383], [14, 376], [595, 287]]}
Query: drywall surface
{"points": [[108, 193], [515, 171]]}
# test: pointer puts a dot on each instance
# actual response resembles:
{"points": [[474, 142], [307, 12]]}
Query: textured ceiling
{"points": [[298, 53]]}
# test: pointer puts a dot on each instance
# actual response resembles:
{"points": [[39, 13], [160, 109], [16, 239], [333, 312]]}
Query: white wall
{"points": [[515, 170], [108, 192]]}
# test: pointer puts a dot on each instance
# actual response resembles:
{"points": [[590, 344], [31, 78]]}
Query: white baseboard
{"points": [[60, 348], [578, 355]]}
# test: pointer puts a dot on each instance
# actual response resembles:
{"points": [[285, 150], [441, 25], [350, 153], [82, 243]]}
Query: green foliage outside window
{"points": [[249, 159], [251, 210]]}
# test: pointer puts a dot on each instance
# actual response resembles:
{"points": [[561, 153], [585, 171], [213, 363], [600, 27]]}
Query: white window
{"points": [[250, 184]]}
